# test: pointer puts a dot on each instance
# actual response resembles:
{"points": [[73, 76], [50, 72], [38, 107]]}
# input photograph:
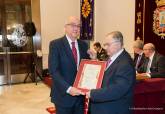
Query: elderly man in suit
{"points": [[115, 95], [64, 57], [154, 65], [139, 55]]}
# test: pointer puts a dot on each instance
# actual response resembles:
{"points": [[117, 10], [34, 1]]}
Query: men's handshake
{"points": [[76, 92]]}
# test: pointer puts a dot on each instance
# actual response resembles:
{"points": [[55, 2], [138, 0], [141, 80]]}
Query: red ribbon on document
{"points": [[86, 105]]}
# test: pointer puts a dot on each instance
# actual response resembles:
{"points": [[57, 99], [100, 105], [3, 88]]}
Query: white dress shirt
{"points": [[149, 65], [77, 48], [78, 54], [113, 58]]}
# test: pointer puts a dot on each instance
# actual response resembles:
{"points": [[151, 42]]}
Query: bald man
{"points": [[65, 55], [154, 65]]}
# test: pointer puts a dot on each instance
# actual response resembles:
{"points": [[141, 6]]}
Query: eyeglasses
{"points": [[74, 25], [147, 49], [109, 44]]}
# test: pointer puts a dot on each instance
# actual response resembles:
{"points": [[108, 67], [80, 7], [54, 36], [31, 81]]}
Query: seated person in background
{"points": [[101, 53], [139, 55], [154, 65]]}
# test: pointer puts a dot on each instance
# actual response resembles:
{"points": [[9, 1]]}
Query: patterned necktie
{"points": [[108, 62], [138, 61], [74, 51]]}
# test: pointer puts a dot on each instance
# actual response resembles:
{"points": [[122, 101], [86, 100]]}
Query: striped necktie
{"points": [[74, 51], [108, 62], [138, 61]]}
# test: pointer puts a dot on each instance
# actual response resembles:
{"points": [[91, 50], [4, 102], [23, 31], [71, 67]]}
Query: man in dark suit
{"points": [[139, 55], [115, 95], [64, 57], [154, 65], [101, 53]]}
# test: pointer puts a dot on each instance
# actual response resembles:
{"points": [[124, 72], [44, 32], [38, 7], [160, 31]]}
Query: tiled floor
{"points": [[24, 99]]}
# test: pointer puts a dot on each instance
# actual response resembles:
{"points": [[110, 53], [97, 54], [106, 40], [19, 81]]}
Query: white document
{"points": [[89, 76]]}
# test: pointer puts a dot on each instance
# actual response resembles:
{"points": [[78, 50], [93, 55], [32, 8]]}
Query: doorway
{"points": [[15, 48]]}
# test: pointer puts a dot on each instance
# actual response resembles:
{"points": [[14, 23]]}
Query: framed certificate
{"points": [[89, 75]]}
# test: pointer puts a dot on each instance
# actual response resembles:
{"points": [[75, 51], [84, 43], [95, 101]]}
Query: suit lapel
{"points": [[110, 71], [136, 58], [80, 49], [111, 66], [154, 60], [116, 61], [141, 60], [68, 50]]}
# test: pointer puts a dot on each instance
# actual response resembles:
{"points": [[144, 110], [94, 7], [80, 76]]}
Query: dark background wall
{"points": [[144, 30]]}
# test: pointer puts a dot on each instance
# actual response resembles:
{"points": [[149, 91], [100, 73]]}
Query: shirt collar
{"points": [[141, 53], [69, 40], [152, 56], [117, 54]]}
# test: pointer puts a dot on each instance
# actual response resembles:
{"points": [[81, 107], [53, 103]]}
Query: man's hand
{"points": [[75, 92], [92, 54], [142, 74]]}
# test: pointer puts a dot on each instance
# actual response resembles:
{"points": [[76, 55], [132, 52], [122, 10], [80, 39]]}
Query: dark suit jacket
{"points": [[115, 96], [63, 69], [141, 60], [157, 66]]}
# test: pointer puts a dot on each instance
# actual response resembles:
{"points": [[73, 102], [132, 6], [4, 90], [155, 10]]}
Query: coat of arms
{"points": [[159, 19]]}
